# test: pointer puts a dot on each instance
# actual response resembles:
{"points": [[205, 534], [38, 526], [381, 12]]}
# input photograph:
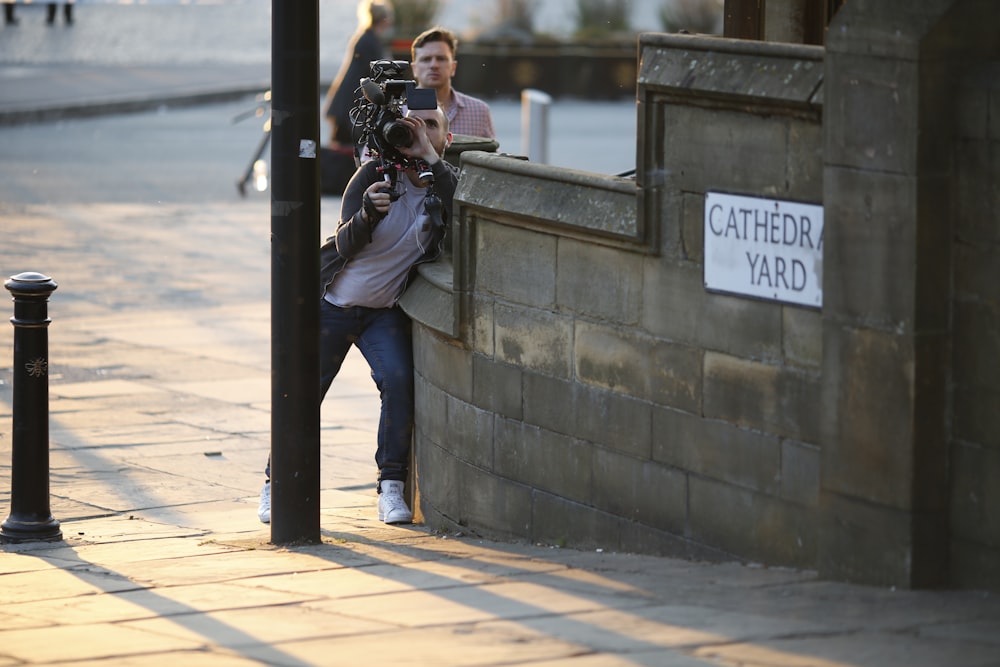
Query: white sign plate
{"points": [[764, 248]]}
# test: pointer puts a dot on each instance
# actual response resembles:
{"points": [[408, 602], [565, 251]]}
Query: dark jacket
{"points": [[353, 233]]}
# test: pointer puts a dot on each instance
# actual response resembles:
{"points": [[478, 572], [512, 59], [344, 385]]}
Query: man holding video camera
{"points": [[393, 217]]}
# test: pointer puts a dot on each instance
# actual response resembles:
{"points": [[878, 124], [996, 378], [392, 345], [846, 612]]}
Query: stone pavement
{"points": [[159, 425]]}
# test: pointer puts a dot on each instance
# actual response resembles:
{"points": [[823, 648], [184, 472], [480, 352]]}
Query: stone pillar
{"points": [[886, 325]]}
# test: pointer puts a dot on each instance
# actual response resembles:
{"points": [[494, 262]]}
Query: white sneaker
{"points": [[391, 506], [264, 509]]}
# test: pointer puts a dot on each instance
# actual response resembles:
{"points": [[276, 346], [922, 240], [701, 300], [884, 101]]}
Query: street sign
{"points": [[764, 248]]}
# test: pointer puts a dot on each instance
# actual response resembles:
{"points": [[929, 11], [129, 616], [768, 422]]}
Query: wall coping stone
{"points": [[765, 73]]}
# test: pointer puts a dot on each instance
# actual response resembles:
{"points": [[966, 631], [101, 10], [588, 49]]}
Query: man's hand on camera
{"points": [[421, 147], [376, 201]]}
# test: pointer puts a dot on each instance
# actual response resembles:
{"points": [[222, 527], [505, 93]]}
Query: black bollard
{"points": [[30, 517]]}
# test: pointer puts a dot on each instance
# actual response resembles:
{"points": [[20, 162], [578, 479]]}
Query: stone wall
{"points": [[578, 384]]}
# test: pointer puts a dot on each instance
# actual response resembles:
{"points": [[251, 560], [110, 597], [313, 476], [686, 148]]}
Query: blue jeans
{"points": [[384, 337]]}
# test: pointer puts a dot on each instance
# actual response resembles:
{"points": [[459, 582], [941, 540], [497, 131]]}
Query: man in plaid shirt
{"points": [[434, 64]]}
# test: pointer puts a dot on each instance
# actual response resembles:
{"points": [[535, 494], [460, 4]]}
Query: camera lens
{"points": [[397, 134]]}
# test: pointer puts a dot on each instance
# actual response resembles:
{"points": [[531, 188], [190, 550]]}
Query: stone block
{"points": [[677, 307], [800, 473], [875, 125], [551, 403], [805, 162], [975, 495], [974, 566], [705, 67], [543, 460], [880, 546], [993, 132], [492, 505], [709, 149], [551, 197], [717, 450], [977, 199], [430, 300], [640, 490], [802, 337], [561, 522], [977, 277], [533, 339], [975, 417], [516, 265], [779, 400], [469, 434], [972, 105], [870, 256], [481, 326], [755, 525], [496, 387], [883, 423], [443, 363], [599, 282], [640, 366], [430, 410], [439, 478], [691, 227], [643, 539], [611, 420]]}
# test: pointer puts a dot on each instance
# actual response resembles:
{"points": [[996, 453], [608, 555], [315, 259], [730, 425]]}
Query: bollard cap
{"points": [[30, 283]]}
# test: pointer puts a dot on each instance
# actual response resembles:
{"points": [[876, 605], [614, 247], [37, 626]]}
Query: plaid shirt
{"points": [[469, 115]]}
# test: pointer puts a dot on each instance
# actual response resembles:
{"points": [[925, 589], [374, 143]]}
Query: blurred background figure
{"points": [[52, 10], [8, 13], [375, 20], [434, 66]]}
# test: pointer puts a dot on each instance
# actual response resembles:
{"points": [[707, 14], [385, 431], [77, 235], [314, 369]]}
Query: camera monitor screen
{"points": [[420, 98]]}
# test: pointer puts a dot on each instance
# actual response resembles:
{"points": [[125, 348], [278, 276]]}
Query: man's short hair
{"points": [[435, 34]]}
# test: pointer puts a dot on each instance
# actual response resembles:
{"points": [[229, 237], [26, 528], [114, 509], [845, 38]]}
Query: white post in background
{"points": [[535, 125]]}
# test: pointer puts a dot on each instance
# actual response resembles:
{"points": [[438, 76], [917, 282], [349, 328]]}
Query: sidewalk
{"points": [[159, 426]]}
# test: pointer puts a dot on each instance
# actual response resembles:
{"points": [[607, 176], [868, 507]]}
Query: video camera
{"points": [[376, 114]]}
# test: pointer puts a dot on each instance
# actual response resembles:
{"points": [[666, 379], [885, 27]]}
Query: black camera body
{"points": [[376, 114]]}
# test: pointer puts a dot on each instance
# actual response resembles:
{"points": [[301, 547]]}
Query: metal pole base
{"points": [[14, 531]]}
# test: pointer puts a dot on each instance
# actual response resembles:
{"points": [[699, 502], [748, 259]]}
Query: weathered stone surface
{"points": [[599, 282], [975, 499], [639, 366], [879, 545], [775, 399], [717, 449], [497, 387], [789, 73], [759, 526], [544, 460], [560, 197], [533, 339], [802, 337], [516, 265], [870, 249], [558, 521], [640, 490], [677, 307], [870, 455], [615, 421], [443, 362]]}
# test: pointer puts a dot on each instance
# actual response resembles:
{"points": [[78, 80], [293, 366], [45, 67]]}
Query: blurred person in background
{"points": [[337, 158], [375, 19], [434, 64], [53, 8]]}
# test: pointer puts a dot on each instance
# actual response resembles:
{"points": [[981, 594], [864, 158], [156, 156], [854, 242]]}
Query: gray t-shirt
{"points": [[375, 277]]}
